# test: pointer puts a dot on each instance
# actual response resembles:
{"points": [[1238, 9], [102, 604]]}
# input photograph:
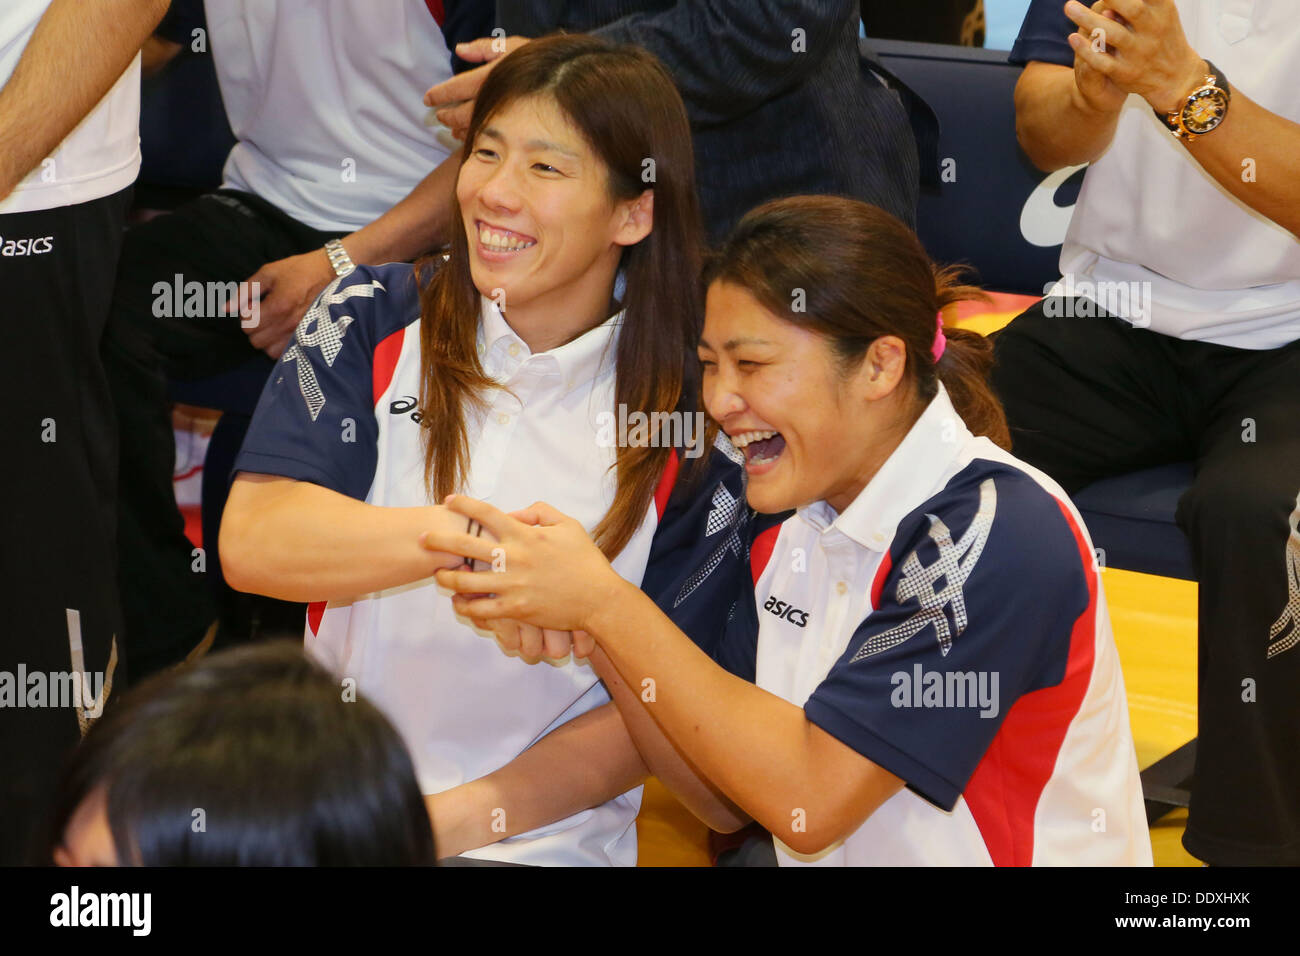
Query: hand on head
{"points": [[453, 99]]}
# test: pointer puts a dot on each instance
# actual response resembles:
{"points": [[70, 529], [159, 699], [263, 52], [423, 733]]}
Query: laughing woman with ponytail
{"points": [[922, 670]]}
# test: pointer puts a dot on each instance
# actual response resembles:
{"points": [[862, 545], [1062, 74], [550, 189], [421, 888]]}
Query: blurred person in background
{"points": [[1174, 336], [69, 152], [780, 100], [333, 146]]}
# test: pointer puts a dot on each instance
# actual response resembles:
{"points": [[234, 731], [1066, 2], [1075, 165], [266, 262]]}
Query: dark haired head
{"points": [[623, 103], [863, 275], [251, 757]]}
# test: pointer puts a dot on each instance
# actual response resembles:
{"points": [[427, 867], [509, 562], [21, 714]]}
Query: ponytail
{"points": [[966, 362]]}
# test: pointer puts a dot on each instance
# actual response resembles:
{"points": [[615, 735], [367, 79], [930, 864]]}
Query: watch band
{"points": [[1173, 120], [340, 261]]}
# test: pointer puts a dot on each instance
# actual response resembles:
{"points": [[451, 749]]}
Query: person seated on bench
{"points": [[1174, 335]]}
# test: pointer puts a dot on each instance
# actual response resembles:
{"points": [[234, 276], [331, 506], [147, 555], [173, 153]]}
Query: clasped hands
{"points": [[544, 578], [1132, 46]]}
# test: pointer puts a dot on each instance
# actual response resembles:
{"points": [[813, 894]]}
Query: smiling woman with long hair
{"points": [[568, 295]]}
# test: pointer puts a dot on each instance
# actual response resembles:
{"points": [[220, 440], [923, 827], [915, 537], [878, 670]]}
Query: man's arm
{"points": [[418, 224], [1058, 124], [1148, 54], [45, 98]]}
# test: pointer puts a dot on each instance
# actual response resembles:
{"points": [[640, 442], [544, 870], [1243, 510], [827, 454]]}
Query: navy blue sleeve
{"points": [[697, 558], [986, 584], [316, 419], [1043, 35], [698, 571], [466, 20]]}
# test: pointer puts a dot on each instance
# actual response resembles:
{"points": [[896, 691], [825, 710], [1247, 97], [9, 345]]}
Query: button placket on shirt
{"points": [[491, 453], [841, 562]]}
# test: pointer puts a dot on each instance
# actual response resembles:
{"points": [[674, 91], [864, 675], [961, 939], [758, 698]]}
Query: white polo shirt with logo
{"points": [[340, 410], [325, 98], [950, 626], [101, 156], [1218, 271]]}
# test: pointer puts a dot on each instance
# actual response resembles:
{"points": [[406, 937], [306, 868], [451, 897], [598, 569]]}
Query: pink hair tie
{"points": [[940, 340]]}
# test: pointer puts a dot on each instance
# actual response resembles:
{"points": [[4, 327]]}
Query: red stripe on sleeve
{"points": [[385, 362], [761, 551], [666, 483], [436, 8], [878, 585], [1004, 791]]}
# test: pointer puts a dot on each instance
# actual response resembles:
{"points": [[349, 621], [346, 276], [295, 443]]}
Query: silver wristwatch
{"points": [[339, 258]]}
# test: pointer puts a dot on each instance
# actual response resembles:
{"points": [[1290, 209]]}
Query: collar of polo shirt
{"points": [[586, 359], [908, 477]]}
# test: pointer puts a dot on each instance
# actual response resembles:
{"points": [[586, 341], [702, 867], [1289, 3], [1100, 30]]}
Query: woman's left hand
{"points": [[545, 570]]}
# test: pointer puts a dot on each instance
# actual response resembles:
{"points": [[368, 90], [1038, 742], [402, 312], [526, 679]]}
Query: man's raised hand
{"points": [[1143, 50], [453, 99]]}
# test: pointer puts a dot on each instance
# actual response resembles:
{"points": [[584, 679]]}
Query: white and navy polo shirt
{"points": [[950, 626], [340, 410]]}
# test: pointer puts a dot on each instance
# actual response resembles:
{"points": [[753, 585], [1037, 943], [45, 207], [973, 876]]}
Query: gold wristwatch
{"points": [[1204, 110]]}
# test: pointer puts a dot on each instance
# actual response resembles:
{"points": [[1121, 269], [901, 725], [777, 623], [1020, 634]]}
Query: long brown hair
{"points": [[863, 274], [624, 103]]}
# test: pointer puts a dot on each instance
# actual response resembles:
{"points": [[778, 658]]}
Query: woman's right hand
{"points": [[532, 642]]}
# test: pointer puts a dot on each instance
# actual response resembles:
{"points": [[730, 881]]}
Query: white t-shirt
{"points": [[325, 98], [950, 626], [340, 411], [1149, 213], [101, 156]]}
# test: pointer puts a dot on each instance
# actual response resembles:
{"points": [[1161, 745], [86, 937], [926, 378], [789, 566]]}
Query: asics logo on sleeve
{"points": [[953, 566], [786, 612], [326, 335]]}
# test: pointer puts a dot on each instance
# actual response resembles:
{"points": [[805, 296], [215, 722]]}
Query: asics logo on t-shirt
{"points": [[14, 248], [404, 405], [786, 612]]}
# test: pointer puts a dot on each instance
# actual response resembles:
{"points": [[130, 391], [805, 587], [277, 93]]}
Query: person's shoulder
{"points": [[1002, 520], [376, 300], [1043, 35]]}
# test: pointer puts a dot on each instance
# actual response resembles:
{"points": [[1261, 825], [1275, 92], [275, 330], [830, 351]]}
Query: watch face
{"points": [[1205, 110]]}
